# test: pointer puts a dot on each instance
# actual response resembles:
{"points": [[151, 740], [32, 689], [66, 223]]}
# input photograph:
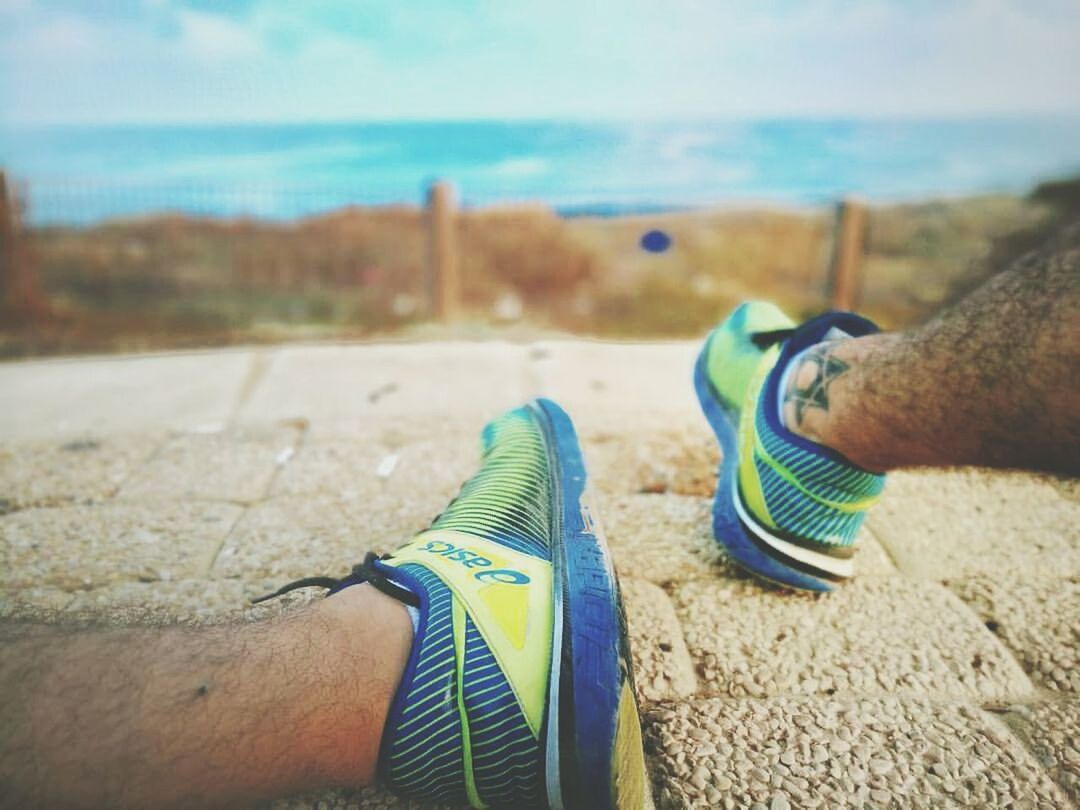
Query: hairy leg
{"points": [[994, 381], [198, 716]]}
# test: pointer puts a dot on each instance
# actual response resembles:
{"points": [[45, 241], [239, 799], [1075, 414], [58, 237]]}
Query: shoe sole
{"points": [[593, 749], [744, 543]]}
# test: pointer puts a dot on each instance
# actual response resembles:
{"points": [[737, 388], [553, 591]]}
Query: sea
{"points": [[85, 174]]}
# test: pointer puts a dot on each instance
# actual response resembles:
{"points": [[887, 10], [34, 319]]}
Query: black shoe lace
{"points": [[764, 340], [362, 572]]}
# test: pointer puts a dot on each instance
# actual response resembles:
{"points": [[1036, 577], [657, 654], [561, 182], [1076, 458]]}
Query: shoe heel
{"points": [[729, 531]]}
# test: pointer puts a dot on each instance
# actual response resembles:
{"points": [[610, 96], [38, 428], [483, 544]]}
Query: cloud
{"points": [[173, 60], [212, 39]]}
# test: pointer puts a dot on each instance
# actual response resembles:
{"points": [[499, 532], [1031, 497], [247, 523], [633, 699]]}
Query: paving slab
{"points": [[297, 536], [82, 547], [428, 469], [338, 467], [598, 381], [226, 465], [876, 635], [342, 390], [805, 753], [289, 462], [188, 601], [58, 473], [185, 601], [662, 538], [1052, 733], [962, 523], [1069, 488], [662, 665], [1037, 618], [624, 459], [33, 602], [668, 538], [871, 558], [57, 399]]}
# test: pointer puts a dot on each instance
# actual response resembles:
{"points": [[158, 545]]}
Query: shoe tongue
{"points": [[835, 333]]}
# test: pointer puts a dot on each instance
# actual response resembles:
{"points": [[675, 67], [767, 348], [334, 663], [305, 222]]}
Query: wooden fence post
{"points": [[21, 297], [444, 281], [7, 242], [844, 283]]}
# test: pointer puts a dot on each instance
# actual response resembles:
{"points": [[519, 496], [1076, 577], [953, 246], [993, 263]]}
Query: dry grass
{"points": [[916, 256], [170, 281]]}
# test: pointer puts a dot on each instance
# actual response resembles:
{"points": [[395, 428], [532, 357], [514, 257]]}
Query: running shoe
{"points": [[787, 509], [518, 690]]}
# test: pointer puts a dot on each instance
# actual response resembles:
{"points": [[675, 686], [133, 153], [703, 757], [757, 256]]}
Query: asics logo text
{"points": [[473, 559]]}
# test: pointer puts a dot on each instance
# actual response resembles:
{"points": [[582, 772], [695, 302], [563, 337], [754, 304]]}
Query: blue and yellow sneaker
{"points": [[786, 508], [518, 689]]}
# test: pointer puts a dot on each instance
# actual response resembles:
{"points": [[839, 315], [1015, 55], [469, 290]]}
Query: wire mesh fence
{"points": [[81, 203], [132, 266], [204, 264]]}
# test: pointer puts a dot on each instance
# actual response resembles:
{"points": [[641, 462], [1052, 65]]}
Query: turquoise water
{"points": [[83, 174]]}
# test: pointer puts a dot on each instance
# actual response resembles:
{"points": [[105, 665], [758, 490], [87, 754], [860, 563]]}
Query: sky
{"points": [[217, 61]]}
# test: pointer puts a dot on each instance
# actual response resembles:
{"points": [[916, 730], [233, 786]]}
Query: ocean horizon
{"points": [[80, 174]]}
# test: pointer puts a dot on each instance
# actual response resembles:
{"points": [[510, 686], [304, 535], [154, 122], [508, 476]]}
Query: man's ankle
{"points": [[374, 637], [820, 397]]}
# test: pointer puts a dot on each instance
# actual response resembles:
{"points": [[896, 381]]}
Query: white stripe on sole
{"points": [[833, 565]]}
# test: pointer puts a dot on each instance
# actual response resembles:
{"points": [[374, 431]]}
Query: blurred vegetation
{"points": [[918, 258], [1058, 206], [177, 281]]}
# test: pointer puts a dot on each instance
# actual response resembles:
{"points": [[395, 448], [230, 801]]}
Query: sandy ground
{"points": [[945, 675]]}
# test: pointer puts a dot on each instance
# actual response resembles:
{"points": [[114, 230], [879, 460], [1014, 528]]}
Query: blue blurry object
{"points": [[655, 241]]}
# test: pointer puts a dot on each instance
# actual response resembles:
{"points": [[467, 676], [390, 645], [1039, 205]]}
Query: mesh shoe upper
{"points": [[466, 723], [733, 357], [800, 491]]}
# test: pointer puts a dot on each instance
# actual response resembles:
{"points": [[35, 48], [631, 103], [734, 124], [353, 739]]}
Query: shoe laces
{"points": [[361, 572]]}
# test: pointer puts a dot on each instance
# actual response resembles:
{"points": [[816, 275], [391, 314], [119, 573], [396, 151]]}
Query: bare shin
{"points": [[993, 381], [198, 716]]}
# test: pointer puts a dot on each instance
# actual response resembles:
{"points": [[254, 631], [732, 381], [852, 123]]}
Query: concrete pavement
{"points": [[945, 675]]}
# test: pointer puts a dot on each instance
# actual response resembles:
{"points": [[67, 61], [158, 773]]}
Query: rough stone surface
{"points": [[1052, 733], [341, 468], [662, 666], [194, 599], [965, 523], [877, 635], [668, 539], [177, 488], [662, 539], [871, 558], [81, 547], [1037, 618], [426, 471], [221, 465], [803, 752], [69, 471], [297, 536], [625, 459], [189, 601], [33, 601]]}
